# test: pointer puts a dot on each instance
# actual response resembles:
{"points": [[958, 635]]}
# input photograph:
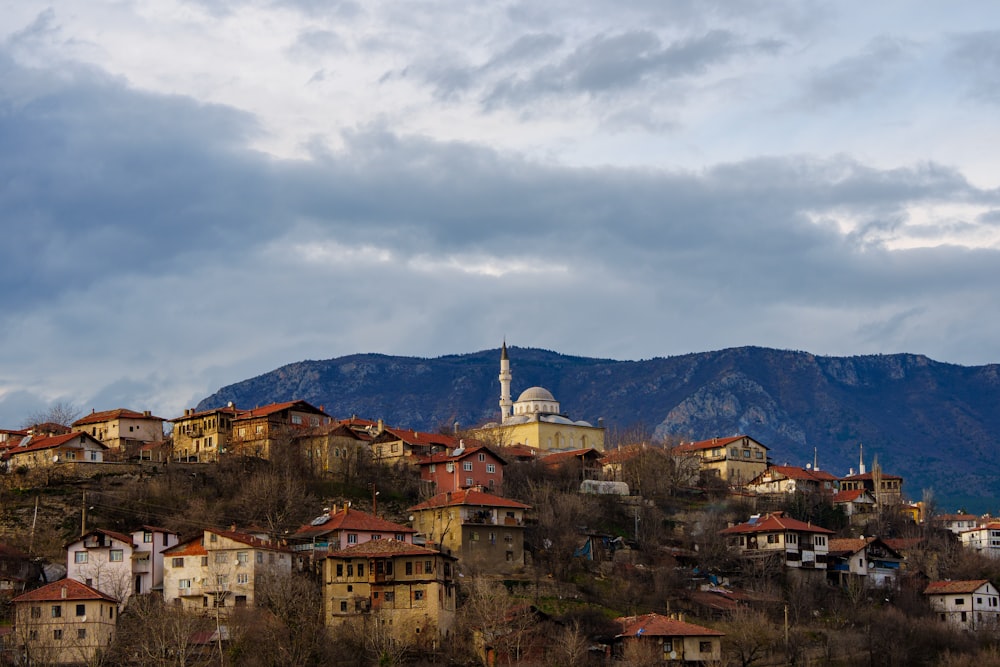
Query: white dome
{"points": [[536, 394], [555, 419]]}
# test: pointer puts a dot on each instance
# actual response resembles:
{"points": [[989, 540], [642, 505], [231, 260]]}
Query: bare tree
{"points": [[750, 637], [60, 412], [151, 633]]}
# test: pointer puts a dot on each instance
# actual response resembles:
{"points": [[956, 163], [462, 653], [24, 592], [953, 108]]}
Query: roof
{"points": [[956, 517], [948, 587], [419, 438], [385, 548], [655, 625], [271, 409], [249, 540], [108, 415], [189, 547], [64, 589], [212, 411], [629, 452], [852, 545], [445, 457], [774, 522], [121, 537], [849, 496], [795, 472], [710, 444], [51, 442], [865, 477], [469, 497], [350, 519], [535, 394], [559, 458]]}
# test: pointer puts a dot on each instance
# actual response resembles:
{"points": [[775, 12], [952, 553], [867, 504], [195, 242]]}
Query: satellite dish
{"points": [[55, 459], [673, 655]]}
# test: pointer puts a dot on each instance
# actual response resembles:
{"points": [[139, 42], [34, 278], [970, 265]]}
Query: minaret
{"points": [[861, 458], [505, 402]]}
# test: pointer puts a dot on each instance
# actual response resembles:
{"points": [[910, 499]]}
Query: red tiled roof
{"points": [[121, 537], [189, 547], [710, 444], [655, 625], [947, 587], [385, 548], [445, 457], [266, 410], [419, 438], [51, 442], [559, 458], [629, 452], [795, 472], [74, 590], [249, 540], [903, 543], [848, 496], [108, 415], [351, 519], [956, 517], [770, 523], [473, 497], [213, 411]]}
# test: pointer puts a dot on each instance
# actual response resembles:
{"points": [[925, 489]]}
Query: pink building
{"points": [[463, 468]]}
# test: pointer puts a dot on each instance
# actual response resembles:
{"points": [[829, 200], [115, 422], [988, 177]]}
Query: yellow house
{"points": [[674, 641], [53, 450], [536, 419], [64, 623], [202, 436], [478, 527], [738, 459], [408, 587]]}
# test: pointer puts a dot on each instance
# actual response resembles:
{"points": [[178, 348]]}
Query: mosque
{"points": [[535, 419]]}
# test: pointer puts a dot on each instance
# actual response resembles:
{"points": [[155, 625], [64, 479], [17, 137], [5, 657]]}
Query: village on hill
{"points": [[283, 534]]}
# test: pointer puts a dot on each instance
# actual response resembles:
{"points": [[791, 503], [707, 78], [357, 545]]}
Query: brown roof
{"points": [[121, 537], [418, 438], [795, 472], [776, 521], [444, 457], [265, 410], [189, 547], [385, 548], [629, 452], [249, 540], [51, 442], [351, 519], [946, 587], [469, 497], [848, 496], [108, 415], [559, 458], [655, 625], [213, 411], [64, 589]]}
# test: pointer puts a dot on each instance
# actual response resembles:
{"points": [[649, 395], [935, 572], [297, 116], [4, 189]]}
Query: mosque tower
{"points": [[505, 402]]}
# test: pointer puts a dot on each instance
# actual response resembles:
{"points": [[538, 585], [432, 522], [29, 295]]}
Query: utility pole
{"points": [[34, 520], [83, 515]]}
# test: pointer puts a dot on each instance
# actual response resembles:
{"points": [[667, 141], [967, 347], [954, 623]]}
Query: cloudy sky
{"points": [[193, 192]]}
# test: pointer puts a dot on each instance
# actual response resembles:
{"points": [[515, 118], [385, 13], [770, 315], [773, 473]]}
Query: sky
{"points": [[195, 192]]}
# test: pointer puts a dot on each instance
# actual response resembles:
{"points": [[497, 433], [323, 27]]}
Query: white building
{"points": [[984, 539], [966, 604]]}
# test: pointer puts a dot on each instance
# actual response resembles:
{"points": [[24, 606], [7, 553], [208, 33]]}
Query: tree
{"points": [[153, 633], [60, 412], [750, 636]]}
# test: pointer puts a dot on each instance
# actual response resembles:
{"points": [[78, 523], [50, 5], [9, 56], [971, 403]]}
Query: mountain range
{"points": [[935, 424]]}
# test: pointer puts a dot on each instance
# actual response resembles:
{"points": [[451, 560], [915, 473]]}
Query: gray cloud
{"points": [[855, 76], [977, 58]]}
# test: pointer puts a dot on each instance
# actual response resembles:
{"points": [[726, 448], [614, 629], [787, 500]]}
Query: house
{"points": [[122, 430], [619, 464], [333, 449], [344, 528], [257, 432], [966, 604], [40, 452], [409, 586], [957, 523], [984, 539], [868, 560], [221, 569], [147, 557], [394, 445], [737, 460], [673, 640], [63, 623], [857, 504], [797, 545], [102, 559], [793, 479], [581, 464], [886, 489], [463, 467], [201, 436], [476, 526], [536, 419]]}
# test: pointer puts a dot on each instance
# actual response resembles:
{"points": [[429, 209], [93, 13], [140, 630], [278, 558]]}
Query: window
{"points": [[746, 453], [80, 557], [81, 610], [220, 557], [409, 568], [959, 602], [147, 537], [57, 634], [361, 569], [668, 645], [184, 584], [376, 536], [116, 555], [177, 562], [705, 647], [400, 537], [243, 578], [242, 557], [350, 569], [490, 468], [340, 569], [432, 468], [33, 635], [389, 596], [204, 561], [418, 594], [468, 481], [758, 454], [241, 600], [95, 456], [212, 537], [467, 466], [352, 538], [427, 567], [343, 605], [482, 457], [474, 536], [260, 558], [221, 579], [36, 612], [734, 452], [56, 611], [81, 633], [296, 419]]}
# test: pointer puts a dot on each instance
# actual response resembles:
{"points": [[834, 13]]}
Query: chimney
{"points": [[147, 413], [62, 592], [381, 425]]}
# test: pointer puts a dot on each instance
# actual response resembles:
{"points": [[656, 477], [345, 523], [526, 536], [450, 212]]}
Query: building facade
{"points": [[737, 460], [972, 604], [122, 430], [63, 623], [797, 545]]}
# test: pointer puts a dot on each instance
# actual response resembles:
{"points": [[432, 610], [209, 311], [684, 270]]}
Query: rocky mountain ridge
{"points": [[936, 424]]}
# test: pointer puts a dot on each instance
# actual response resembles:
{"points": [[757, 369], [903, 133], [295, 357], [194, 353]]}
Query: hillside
{"points": [[936, 424]]}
